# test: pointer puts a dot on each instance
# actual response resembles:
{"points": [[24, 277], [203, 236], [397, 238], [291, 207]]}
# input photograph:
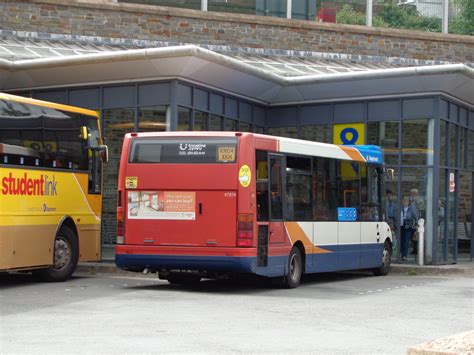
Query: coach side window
{"points": [[64, 147], [21, 135]]}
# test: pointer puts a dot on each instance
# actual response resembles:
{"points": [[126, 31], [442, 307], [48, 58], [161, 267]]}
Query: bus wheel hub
{"points": [[62, 253]]}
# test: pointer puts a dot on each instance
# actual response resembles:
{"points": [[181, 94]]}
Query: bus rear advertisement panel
{"points": [[248, 203]]}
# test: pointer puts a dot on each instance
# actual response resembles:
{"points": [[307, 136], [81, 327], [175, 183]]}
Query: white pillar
{"points": [[288, 8], [421, 241], [445, 15], [203, 5], [368, 12]]}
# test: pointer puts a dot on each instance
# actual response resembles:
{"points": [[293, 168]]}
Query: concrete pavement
{"points": [[464, 269]]}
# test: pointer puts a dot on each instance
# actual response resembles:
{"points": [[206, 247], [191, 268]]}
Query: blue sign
{"points": [[346, 214]]}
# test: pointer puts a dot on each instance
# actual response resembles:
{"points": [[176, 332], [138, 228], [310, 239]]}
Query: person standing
{"points": [[390, 208], [408, 221]]}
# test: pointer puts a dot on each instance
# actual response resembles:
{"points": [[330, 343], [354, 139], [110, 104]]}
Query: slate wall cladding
{"points": [[107, 19]]}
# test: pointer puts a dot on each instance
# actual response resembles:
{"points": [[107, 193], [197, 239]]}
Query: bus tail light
{"points": [[244, 230]]}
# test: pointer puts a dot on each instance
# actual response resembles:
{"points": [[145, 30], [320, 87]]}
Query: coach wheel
{"points": [[386, 259], [183, 279], [66, 256], [295, 269]]}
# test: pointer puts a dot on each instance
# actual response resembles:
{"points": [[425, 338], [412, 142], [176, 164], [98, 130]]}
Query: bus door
{"points": [[271, 230]]}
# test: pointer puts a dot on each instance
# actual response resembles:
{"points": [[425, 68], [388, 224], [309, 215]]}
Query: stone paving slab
{"points": [[461, 344]]}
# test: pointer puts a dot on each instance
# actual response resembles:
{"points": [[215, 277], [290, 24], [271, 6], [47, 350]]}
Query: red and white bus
{"points": [[210, 204]]}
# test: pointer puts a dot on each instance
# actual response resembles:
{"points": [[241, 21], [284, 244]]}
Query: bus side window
{"points": [[276, 205], [370, 207], [262, 185], [298, 189], [349, 185]]}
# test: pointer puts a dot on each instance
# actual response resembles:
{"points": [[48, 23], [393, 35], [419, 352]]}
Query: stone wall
{"points": [[133, 21]]}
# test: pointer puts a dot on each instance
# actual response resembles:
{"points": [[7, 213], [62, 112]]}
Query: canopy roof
{"points": [[273, 81]]}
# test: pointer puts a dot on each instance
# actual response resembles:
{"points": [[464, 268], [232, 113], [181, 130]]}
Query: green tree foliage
{"points": [[464, 23], [407, 17], [350, 16]]}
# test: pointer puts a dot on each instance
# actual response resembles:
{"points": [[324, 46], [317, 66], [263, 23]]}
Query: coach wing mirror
{"points": [[84, 133], [104, 153]]}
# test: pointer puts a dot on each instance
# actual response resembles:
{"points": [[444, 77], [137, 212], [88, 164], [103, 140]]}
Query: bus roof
{"points": [[363, 153], [52, 105]]}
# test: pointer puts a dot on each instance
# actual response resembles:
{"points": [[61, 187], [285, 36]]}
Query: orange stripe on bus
{"points": [[352, 153], [297, 233]]}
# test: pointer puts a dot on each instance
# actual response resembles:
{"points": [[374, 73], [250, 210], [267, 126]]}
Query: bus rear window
{"points": [[184, 150]]}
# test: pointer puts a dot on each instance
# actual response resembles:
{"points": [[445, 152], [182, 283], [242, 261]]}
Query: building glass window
{"points": [[386, 135], [152, 119], [244, 127], [289, 132], [443, 129], [453, 143], [257, 129], [464, 224], [215, 123], [450, 218], [184, 119], [117, 122], [230, 125], [470, 153], [417, 142], [440, 230], [320, 133], [200, 119], [417, 185], [462, 147]]}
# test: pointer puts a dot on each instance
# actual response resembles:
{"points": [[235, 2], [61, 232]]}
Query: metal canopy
{"points": [[272, 81]]}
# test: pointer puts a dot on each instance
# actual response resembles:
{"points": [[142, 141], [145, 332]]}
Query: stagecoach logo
{"points": [[44, 185], [245, 175], [192, 149]]}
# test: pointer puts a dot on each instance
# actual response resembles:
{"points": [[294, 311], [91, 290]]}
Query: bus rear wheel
{"points": [[66, 257], [295, 270], [386, 259]]}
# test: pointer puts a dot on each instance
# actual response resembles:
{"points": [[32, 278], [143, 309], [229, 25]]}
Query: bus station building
{"points": [[420, 111]]}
